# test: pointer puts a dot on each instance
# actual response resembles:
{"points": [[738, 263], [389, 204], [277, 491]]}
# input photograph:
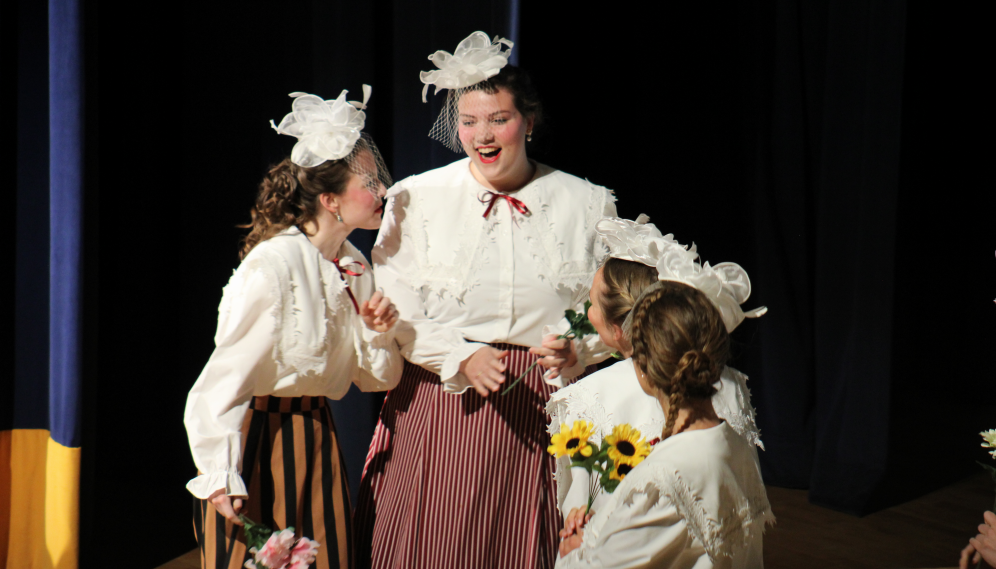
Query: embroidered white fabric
{"points": [[286, 327], [461, 278], [613, 396], [476, 59], [332, 130], [702, 484]]}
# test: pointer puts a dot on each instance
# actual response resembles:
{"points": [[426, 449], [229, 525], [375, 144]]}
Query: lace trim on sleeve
{"points": [[741, 418]]}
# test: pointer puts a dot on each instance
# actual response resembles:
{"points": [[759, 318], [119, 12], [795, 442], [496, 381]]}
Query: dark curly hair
{"points": [[680, 342]]}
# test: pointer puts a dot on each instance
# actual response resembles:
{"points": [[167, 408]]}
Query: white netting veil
{"points": [[333, 130], [475, 60]]}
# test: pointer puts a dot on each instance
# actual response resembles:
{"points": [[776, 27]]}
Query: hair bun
{"points": [[698, 371]]}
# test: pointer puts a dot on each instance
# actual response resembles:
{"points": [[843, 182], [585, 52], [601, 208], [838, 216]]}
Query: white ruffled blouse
{"points": [[613, 396], [697, 501], [287, 328], [463, 281]]}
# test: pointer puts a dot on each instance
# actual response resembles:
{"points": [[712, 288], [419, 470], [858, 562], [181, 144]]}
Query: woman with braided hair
{"points": [[698, 499], [299, 321], [612, 396]]}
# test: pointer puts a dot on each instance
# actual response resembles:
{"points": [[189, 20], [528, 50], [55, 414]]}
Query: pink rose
{"points": [[277, 551], [304, 553]]}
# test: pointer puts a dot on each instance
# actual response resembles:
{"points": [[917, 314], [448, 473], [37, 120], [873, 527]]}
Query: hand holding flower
{"points": [[226, 506], [557, 353]]}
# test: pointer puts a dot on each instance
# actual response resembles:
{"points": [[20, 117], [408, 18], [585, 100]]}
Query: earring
{"points": [[338, 217], [529, 136]]}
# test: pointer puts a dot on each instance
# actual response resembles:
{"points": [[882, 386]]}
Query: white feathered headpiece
{"points": [[325, 130], [475, 59], [726, 284]]}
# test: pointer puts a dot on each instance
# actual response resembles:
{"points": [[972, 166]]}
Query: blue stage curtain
{"points": [[40, 440]]}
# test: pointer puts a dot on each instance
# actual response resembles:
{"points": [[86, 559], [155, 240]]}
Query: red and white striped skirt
{"points": [[295, 476], [456, 481]]}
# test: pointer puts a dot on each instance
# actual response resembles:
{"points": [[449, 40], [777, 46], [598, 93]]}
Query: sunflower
{"points": [[570, 441], [626, 446], [620, 472]]}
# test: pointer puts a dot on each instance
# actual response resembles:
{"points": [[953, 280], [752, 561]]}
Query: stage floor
{"points": [[928, 532]]}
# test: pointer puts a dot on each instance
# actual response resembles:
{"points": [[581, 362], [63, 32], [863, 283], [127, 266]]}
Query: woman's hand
{"points": [[557, 354], [226, 506], [571, 543], [575, 520], [485, 369], [982, 546], [378, 313]]}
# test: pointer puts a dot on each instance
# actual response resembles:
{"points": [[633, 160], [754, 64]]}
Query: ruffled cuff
{"points": [[453, 381], [204, 485], [377, 340]]}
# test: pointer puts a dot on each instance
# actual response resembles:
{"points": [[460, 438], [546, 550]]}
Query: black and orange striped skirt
{"points": [[295, 476]]}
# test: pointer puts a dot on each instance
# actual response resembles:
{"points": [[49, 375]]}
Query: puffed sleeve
{"points": [[217, 403], [439, 349], [638, 533]]}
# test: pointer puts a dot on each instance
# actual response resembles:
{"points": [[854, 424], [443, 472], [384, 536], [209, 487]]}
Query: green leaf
{"points": [[256, 534]]}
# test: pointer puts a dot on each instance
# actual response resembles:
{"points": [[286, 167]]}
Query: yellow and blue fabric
{"points": [[40, 417]]}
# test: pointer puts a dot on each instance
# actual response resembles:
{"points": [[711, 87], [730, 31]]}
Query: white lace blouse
{"points": [[697, 501], [286, 327], [463, 280], [613, 396]]}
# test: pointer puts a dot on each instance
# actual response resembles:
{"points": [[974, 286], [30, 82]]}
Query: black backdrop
{"points": [[830, 150]]}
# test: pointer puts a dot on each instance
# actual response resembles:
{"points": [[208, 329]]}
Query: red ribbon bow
{"points": [[347, 261], [512, 203]]}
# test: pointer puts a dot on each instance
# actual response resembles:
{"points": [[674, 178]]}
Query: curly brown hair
{"points": [[288, 196], [680, 343]]}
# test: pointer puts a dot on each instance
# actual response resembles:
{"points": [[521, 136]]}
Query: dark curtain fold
{"points": [[829, 97]]}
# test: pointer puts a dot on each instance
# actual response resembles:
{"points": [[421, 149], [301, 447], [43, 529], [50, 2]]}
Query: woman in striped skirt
{"points": [[299, 321], [482, 257]]}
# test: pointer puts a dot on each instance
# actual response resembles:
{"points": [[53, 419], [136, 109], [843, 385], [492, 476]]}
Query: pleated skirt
{"points": [[458, 481], [295, 476]]}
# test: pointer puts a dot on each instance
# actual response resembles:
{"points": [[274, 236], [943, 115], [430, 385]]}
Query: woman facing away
{"points": [[299, 321], [480, 256], [613, 396], [698, 499]]}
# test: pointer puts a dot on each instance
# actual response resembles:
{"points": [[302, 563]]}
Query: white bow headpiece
{"points": [[476, 58], [726, 284], [325, 130]]}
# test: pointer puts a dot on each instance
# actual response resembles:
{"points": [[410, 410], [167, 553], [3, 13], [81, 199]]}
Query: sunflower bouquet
{"points": [[618, 454], [579, 328]]}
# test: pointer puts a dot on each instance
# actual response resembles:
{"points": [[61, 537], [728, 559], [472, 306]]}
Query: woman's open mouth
{"points": [[488, 154]]}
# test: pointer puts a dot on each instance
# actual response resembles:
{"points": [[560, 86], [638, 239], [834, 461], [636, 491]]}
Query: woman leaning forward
{"points": [[299, 321]]}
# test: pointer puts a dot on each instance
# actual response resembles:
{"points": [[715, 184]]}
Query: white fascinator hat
{"points": [[475, 60], [333, 130], [725, 284]]}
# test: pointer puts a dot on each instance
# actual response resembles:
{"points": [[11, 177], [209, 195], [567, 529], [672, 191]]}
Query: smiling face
{"points": [[493, 134], [361, 205]]}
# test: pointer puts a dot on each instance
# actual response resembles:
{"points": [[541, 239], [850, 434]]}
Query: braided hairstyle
{"points": [[624, 282], [288, 196], [681, 344]]}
